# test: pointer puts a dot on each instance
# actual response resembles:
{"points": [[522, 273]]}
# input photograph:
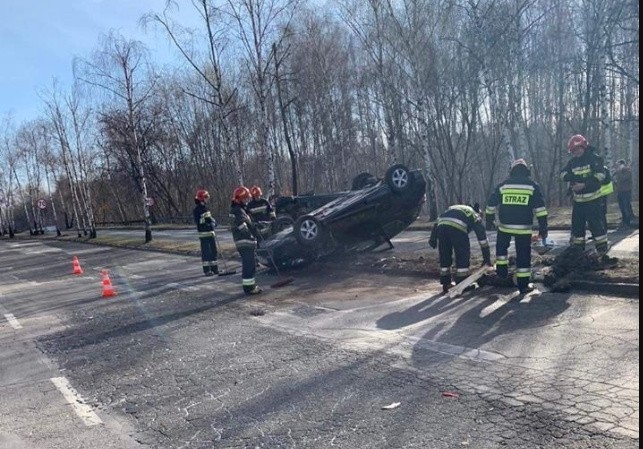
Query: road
{"points": [[178, 360], [626, 243]]}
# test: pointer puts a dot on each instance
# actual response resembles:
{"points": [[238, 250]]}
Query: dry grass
{"points": [[162, 245]]}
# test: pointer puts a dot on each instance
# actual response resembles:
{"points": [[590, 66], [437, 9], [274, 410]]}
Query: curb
{"points": [[621, 289], [429, 227]]}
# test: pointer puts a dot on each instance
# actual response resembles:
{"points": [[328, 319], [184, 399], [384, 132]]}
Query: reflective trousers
{"points": [[589, 213], [450, 241], [523, 257], [208, 255], [248, 267]]}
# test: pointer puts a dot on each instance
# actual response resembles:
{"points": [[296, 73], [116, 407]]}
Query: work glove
{"points": [[490, 225], [543, 234], [433, 244]]}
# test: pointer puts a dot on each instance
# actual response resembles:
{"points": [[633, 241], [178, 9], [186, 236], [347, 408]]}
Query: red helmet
{"points": [[577, 140], [240, 194], [517, 162], [256, 192], [202, 195]]}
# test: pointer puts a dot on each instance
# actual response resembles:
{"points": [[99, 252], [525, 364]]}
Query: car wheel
{"points": [[398, 178], [282, 223], [308, 230], [362, 180]]}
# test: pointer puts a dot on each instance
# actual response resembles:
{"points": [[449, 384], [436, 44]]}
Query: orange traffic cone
{"points": [[76, 263], [108, 289]]}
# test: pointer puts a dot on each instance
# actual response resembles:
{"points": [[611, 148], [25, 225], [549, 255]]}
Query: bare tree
{"points": [[60, 130], [220, 94], [260, 24], [116, 69]]}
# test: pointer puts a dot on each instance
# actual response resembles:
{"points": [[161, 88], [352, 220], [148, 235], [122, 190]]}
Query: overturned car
{"points": [[357, 220]]}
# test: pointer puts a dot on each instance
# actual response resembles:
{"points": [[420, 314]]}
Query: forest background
{"points": [[297, 99]]}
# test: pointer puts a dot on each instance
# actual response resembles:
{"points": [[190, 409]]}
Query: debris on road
{"points": [[573, 261], [450, 394], [391, 406]]}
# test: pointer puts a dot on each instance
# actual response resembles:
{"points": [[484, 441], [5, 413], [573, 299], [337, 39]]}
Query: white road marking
{"points": [[90, 251], [186, 288], [43, 250], [84, 411], [13, 321]]}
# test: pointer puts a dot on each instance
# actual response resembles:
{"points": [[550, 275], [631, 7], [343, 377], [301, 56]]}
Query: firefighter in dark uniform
{"points": [[261, 212], [243, 233], [586, 174], [517, 200], [260, 208], [451, 234], [205, 225]]}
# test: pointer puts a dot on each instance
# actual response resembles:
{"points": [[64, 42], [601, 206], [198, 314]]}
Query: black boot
{"points": [[447, 287], [524, 289], [253, 291]]}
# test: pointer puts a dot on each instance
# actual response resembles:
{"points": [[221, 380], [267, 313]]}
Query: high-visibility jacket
{"points": [[517, 200], [465, 219], [260, 210], [590, 170], [204, 221], [242, 227]]}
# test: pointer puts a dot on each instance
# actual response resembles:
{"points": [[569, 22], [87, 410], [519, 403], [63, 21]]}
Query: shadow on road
{"points": [[483, 318]]}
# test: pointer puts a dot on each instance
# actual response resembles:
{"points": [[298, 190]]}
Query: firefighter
{"points": [[261, 212], [260, 208], [517, 200], [451, 234], [205, 225], [586, 174], [243, 233]]}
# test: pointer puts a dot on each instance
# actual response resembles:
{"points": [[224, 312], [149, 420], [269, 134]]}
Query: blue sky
{"points": [[40, 38]]}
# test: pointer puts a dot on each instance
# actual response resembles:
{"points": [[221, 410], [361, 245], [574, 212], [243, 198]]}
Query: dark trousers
{"points": [[589, 213], [452, 240], [625, 205], [208, 255], [604, 212], [248, 267], [523, 257]]}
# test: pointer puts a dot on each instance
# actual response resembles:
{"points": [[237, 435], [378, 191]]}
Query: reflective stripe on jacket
{"points": [[588, 169], [241, 226], [517, 200]]}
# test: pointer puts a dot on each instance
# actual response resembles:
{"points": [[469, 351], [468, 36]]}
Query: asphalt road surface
{"points": [[339, 358]]}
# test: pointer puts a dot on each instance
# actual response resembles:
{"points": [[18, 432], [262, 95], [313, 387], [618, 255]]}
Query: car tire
{"points": [[362, 180], [308, 230], [398, 178], [281, 223]]}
